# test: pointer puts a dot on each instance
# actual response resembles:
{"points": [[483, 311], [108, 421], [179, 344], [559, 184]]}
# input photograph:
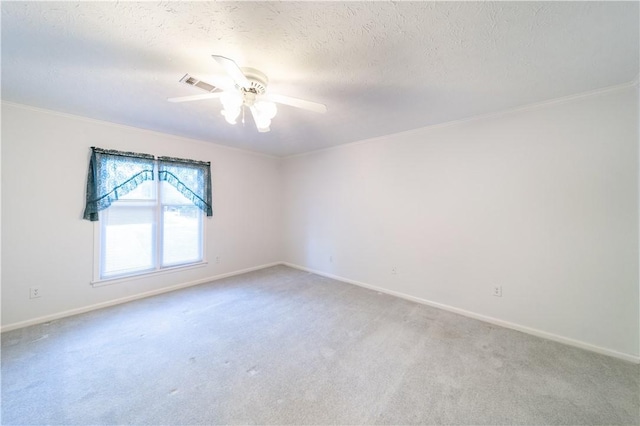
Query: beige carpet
{"points": [[281, 346]]}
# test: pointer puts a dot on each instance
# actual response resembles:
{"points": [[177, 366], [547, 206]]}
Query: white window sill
{"points": [[164, 271]]}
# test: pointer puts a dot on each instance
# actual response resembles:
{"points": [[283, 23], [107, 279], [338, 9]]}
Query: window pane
{"points": [[128, 239], [145, 191], [182, 234], [170, 195]]}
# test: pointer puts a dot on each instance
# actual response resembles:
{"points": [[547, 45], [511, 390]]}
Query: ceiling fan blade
{"points": [[298, 103], [233, 70], [196, 97]]}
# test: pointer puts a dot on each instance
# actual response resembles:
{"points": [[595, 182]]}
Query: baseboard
{"points": [[488, 319], [101, 305]]}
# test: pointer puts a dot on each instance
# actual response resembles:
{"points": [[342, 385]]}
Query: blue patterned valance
{"points": [[192, 178], [112, 174]]}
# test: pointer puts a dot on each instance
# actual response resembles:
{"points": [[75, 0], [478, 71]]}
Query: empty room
{"points": [[320, 213]]}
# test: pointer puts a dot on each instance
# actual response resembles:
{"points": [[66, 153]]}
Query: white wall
{"points": [[542, 201], [46, 243]]}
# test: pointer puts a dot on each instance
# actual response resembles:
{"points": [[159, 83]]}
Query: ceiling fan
{"points": [[250, 86]]}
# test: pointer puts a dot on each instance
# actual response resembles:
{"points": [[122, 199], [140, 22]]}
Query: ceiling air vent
{"points": [[192, 81]]}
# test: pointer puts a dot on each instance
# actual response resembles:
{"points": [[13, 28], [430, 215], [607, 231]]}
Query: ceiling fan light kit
{"points": [[263, 112], [250, 91], [246, 96]]}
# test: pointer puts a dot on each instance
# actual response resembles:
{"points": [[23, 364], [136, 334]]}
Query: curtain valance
{"points": [[112, 174], [192, 178]]}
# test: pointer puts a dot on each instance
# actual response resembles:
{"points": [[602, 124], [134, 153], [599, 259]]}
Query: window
{"points": [[150, 228], [150, 211]]}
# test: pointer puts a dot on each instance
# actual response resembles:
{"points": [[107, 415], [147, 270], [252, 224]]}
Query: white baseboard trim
{"points": [[532, 331], [101, 305], [506, 324]]}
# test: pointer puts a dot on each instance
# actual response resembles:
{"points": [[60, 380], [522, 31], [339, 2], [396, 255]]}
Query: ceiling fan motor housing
{"points": [[257, 79]]}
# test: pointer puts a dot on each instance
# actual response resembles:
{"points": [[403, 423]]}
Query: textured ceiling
{"points": [[379, 67]]}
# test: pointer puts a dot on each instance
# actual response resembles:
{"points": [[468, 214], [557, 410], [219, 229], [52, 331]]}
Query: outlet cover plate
{"points": [[34, 292], [497, 290]]}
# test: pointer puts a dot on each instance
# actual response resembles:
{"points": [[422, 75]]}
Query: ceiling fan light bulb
{"points": [[231, 100], [266, 109], [231, 115], [261, 122]]}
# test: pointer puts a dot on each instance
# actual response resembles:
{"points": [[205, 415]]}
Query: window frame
{"points": [[158, 241]]}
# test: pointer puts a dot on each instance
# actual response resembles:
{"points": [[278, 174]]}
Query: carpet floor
{"points": [[282, 346]]}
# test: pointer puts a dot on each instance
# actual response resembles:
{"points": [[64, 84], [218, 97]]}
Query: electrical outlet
{"points": [[330, 259], [497, 290], [217, 259], [394, 271], [34, 292]]}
